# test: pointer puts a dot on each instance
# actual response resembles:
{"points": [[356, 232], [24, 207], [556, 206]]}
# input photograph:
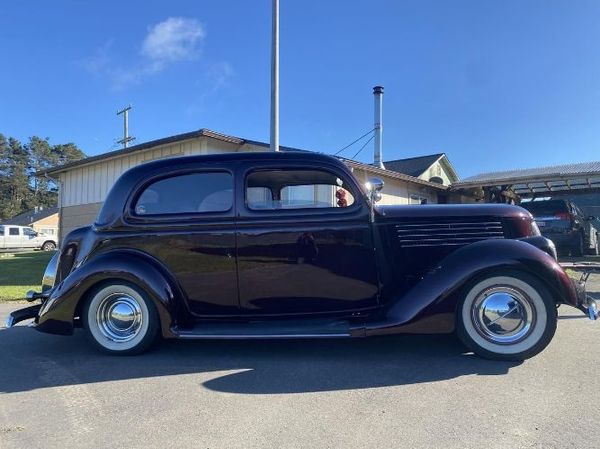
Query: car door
{"points": [[30, 239], [304, 242], [185, 219], [14, 237]]}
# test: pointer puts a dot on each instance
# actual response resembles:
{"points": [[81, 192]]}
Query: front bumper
{"points": [[30, 312], [23, 314], [586, 303]]}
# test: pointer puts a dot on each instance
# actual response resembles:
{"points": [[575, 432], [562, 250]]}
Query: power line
{"points": [[357, 140], [363, 147]]}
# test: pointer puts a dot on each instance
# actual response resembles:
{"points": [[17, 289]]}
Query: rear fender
{"points": [[436, 294], [58, 312]]}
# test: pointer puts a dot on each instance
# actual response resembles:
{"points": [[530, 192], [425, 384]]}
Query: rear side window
{"points": [[296, 189], [545, 208], [1, 230], [187, 194], [13, 231]]}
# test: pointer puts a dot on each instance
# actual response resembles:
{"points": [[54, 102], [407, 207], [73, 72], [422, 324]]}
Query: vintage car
{"points": [[291, 245]]}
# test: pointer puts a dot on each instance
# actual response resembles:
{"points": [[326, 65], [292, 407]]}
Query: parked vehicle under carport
{"points": [[566, 225]]}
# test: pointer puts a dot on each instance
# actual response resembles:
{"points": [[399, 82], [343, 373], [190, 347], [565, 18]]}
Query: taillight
{"points": [[563, 216]]}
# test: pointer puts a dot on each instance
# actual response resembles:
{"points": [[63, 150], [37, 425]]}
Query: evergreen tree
{"points": [[20, 189]]}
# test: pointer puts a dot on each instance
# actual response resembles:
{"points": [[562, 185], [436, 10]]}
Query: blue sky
{"points": [[495, 85]]}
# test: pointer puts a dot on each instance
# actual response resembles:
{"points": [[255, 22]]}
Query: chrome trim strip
{"points": [[192, 336]]}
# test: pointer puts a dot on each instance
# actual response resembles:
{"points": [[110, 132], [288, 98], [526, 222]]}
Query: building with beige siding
{"points": [[84, 184], [40, 219]]}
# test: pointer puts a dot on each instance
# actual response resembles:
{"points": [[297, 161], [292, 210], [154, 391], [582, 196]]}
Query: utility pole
{"points": [[275, 78], [126, 138]]}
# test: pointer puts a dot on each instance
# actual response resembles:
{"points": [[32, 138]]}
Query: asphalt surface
{"points": [[392, 392]]}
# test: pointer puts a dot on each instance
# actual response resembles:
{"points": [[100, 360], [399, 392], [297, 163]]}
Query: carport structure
{"points": [[513, 185]]}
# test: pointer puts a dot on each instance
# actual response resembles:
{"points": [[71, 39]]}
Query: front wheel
{"points": [[120, 319], [508, 316]]}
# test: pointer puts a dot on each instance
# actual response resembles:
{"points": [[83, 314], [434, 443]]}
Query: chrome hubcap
{"points": [[119, 317], [503, 315]]}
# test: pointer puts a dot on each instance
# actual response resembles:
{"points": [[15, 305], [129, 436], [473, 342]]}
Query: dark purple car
{"points": [[290, 245]]}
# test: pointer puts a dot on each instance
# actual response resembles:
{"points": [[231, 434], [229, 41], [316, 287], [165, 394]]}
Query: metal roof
{"points": [[203, 132], [550, 180], [237, 140]]}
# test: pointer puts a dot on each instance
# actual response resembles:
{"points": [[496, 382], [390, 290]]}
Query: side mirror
{"points": [[374, 186]]}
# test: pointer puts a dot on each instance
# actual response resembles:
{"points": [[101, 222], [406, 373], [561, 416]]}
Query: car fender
{"points": [[58, 312], [436, 294]]}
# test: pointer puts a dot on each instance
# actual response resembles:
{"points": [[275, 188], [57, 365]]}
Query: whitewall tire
{"points": [[119, 319], [506, 316]]}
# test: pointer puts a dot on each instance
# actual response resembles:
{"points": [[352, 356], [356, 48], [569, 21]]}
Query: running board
{"points": [[267, 330]]}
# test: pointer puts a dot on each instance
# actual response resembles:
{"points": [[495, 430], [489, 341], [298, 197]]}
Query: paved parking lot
{"points": [[393, 392]]}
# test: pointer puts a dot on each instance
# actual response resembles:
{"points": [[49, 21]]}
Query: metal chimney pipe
{"points": [[378, 157]]}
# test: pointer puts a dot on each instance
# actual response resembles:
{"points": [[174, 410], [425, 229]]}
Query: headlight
{"points": [[50, 274]]}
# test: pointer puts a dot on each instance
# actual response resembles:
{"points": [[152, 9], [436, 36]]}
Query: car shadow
{"points": [[33, 361]]}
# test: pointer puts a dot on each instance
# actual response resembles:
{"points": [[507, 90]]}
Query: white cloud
{"points": [[219, 74], [172, 40]]}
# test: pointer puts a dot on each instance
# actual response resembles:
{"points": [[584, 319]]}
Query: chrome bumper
{"points": [[22, 314], [588, 305], [28, 312]]}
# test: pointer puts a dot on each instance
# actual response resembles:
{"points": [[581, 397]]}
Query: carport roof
{"points": [[539, 181]]}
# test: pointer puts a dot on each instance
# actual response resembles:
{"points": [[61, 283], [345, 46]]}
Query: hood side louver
{"points": [[448, 232]]}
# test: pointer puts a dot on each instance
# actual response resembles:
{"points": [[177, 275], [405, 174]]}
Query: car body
{"points": [[563, 222], [291, 245], [14, 237]]}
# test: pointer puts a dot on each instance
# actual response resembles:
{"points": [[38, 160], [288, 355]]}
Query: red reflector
{"points": [[563, 215]]}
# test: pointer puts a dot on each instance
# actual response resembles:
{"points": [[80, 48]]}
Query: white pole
{"points": [[275, 79]]}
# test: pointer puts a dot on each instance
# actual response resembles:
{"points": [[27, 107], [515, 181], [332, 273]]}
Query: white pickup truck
{"points": [[23, 237]]}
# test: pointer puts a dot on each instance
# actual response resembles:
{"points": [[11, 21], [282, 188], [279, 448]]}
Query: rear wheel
{"points": [[120, 319], [508, 316]]}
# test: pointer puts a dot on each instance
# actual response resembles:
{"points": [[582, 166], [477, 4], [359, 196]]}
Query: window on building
{"points": [[48, 231], [186, 194], [418, 199], [296, 189], [13, 231]]}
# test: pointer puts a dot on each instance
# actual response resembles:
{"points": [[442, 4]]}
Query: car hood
{"points": [[385, 213]]}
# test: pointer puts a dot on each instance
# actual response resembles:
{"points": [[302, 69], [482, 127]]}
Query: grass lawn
{"points": [[20, 272]]}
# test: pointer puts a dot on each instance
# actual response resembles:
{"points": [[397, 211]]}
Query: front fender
{"points": [[435, 294], [58, 312]]}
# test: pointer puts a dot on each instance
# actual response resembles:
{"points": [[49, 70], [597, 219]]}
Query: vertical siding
{"points": [[90, 184]]}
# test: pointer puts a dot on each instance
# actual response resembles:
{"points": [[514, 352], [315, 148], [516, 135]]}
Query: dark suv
{"points": [[566, 225]]}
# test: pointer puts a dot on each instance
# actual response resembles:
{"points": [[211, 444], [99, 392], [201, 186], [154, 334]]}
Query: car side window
{"points": [[187, 194], [13, 231], [1, 230], [296, 189], [28, 232]]}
